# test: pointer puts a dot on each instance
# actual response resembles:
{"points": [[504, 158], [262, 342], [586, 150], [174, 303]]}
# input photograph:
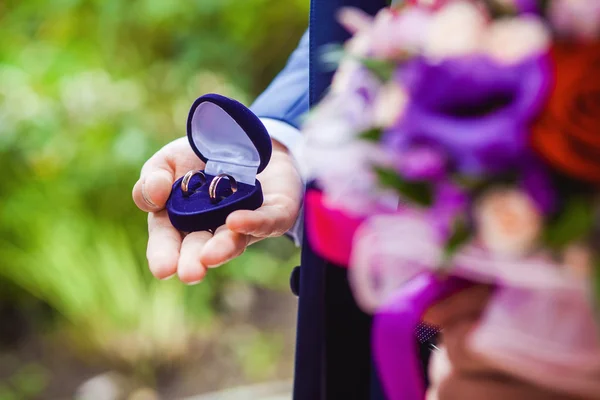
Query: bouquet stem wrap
{"points": [[394, 342]]}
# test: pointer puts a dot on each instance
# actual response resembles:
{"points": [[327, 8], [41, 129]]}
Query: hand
{"points": [[470, 301], [172, 252]]}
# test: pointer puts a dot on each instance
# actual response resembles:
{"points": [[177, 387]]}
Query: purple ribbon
{"points": [[394, 344]]}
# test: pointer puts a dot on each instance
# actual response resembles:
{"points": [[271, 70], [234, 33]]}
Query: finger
{"points": [[466, 302], [267, 221], [190, 269], [456, 339], [152, 190], [164, 243], [439, 369], [224, 246]]}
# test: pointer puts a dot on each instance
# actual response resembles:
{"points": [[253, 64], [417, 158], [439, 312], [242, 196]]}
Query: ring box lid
{"points": [[228, 137]]}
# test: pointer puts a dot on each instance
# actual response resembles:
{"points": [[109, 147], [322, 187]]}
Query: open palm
{"points": [[189, 256]]}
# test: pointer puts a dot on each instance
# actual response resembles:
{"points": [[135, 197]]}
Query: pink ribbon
{"points": [[330, 231]]}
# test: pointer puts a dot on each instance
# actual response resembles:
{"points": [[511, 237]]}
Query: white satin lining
{"points": [[224, 143]]}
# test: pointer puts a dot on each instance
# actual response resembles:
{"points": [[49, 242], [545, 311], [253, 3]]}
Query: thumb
{"points": [[152, 190]]}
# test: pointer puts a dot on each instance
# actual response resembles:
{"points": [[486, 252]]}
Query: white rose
{"points": [[389, 105], [354, 20], [455, 30], [345, 75], [360, 44]]}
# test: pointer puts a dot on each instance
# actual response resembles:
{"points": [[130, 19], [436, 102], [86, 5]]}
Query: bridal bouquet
{"points": [[460, 141]]}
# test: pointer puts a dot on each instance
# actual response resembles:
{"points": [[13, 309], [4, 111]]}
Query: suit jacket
{"points": [[333, 356]]}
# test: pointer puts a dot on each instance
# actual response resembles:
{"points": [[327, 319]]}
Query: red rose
{"points": [[568, 133]]}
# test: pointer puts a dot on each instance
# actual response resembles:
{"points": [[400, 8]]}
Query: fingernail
{"points": [[193, 283], [217, 265], [208, 259], [166, 278], [146, 197]]}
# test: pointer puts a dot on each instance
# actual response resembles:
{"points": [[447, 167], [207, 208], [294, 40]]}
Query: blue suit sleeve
{"points": [[287, 97]]}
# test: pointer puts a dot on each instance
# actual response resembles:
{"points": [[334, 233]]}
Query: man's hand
{"points": [[172, 252]]}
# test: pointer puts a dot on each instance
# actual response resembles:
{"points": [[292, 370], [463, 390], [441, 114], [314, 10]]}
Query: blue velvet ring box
{"points": [[230, 139]]}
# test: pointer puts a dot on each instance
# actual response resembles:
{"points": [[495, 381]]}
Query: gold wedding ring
{"points": [[185, 182], [214, 184]]}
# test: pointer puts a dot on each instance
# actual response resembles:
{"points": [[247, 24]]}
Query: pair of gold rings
{"points": [[212, 188]]}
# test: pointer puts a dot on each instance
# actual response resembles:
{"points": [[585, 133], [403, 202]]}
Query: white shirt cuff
{"points": [[283, 132], [290, 137]]}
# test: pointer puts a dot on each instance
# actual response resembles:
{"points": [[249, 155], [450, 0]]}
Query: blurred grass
{"points": [[89, 89]]}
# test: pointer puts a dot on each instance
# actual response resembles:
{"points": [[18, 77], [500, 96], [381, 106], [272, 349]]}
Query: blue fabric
{"points": [[333, 357], [286, 98], [324, 31]]}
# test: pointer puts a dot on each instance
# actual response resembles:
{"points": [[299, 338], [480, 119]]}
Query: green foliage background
{"points": [[89, 89]]}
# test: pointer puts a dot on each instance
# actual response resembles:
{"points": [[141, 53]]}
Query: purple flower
{"points": [[450, 202], [353, 79], [536, 182], [474, 109], [421, 164], [527, 6]]}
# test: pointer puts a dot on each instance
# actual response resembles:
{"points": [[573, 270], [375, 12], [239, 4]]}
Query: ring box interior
{"points": [[231, 140]]}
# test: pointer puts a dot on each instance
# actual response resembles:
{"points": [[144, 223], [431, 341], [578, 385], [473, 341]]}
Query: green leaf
{"points": [[502, 9], [460, 235], [382, 69], [31, 380], [544, 5], [468, 182], [372, 135], [596, 287], [419, 192], [499, 9], [6, 393], [572, 224], [481, 183], [331, 56]]}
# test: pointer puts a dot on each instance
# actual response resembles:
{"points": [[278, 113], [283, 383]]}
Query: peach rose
{"points": [[510, 40], [578, 260], [508, 222]]}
